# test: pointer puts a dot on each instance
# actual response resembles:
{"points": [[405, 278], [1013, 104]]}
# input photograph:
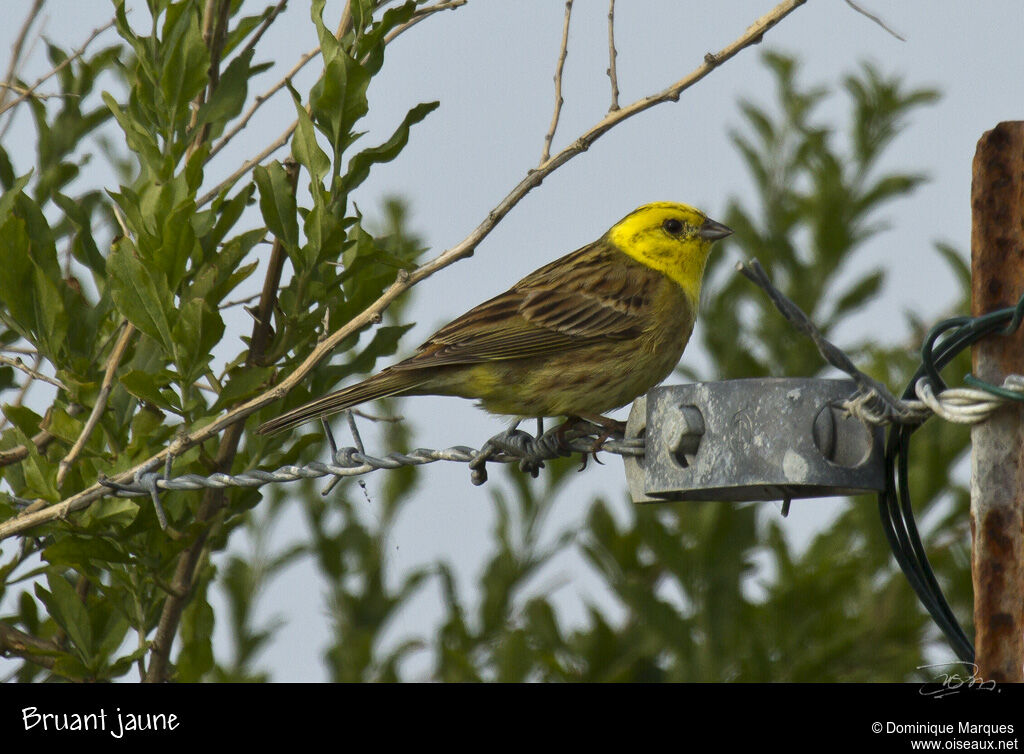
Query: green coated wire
{"points": [[895, 503], [988, 387]]}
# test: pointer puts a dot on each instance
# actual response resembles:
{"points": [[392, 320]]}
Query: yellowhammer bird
{"points": [[580, 336]]}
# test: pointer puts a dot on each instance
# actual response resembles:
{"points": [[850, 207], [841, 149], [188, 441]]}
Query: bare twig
{"points": [[213, 499], [57, 69], [101, 402], [239, 302], [376, 418], [260, 100], [612, 54], [874, 18], [20, 452], [563, 52], [18, 46], [31, 371], [271, 17], [421, 14], [464, 248], [215, 25], [28, 647], [24, 388], [38, 95]]}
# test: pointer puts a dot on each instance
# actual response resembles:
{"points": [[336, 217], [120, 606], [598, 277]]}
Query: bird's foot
{"points": [[586, 425]]}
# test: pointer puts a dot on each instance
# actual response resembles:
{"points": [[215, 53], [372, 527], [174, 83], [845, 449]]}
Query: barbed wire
{"points": [[511, 446], [959, 405], [872, 403]]}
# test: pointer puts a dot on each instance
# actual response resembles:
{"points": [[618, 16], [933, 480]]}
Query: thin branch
{"points": [[215, 26], [27, 647], [101, 402], [53, 72], [612, 54], [32, 371], [563, 52], [421, 14], [874, 18], [38, 95], [271, 17], [20, 452], [282, 140], [214, 499], [405, 280], [20, 399], [18, 46], [260, 101], [239, 302]]}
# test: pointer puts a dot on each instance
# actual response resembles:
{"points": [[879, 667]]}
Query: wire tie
{"points": [[147, 480], [1003, 392]]}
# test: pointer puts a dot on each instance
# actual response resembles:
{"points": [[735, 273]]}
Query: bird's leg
{"points": [[610, 427], [570, 422]]}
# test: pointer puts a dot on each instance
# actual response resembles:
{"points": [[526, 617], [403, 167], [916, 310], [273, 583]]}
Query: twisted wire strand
{"points": [[509, 447], [963, 405], [873, 403]]}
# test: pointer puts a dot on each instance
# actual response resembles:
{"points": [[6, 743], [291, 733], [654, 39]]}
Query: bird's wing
{"points": [[538, 316]]}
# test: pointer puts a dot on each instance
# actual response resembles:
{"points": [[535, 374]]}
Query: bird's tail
{"points": [[381, 385]]}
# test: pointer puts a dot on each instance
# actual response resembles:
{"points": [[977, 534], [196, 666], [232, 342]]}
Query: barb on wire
{"points": [[511, 446]]}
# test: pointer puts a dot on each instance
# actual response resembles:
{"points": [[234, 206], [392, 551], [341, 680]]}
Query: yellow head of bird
{"points": [[674, 239]]}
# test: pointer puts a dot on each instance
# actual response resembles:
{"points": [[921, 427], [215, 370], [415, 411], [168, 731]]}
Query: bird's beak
{"points": [[712, 231]]}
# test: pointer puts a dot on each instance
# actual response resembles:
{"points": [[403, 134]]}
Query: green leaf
{"points": [[957, 264], [359, 166], [31, 275], [117, 512], [277, 203], [305, 149], [183, 71], [197, 624], [139, 139], [338, 100], [11, 195], [37, 472], [16, 284], [243, 382], [83, 552], [145, 386], [65, 607], [329, 45], [141, 295], [197, 330], [228, 98]]}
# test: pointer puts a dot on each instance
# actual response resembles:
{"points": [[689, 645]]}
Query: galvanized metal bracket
{"points": [[752, 439]]}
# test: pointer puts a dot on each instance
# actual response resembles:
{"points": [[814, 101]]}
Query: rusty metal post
{"points": [[997, 456]]}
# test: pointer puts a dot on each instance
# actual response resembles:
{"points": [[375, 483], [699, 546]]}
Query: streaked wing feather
{"points": [[540, 316]]}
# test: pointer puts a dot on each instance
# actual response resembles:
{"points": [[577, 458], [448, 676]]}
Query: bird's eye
{"points": [[673, 226]]}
